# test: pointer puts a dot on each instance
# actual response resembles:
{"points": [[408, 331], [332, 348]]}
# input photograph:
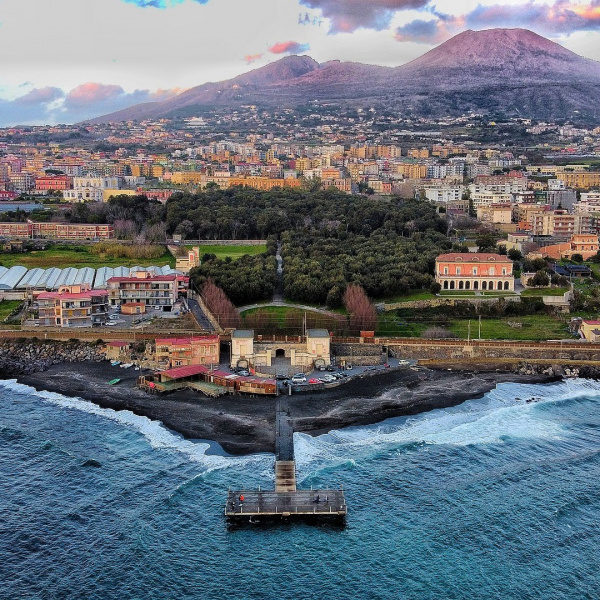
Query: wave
{"points": [[510, 411], [156, 434]]}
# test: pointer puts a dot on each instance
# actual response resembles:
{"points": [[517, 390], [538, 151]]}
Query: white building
{"points": [[443, 194], [90, 189]]}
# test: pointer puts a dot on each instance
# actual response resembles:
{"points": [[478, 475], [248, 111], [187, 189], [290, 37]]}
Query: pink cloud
{"points": [[92, 93], [250, 58], [289, 47], [41, 96]]}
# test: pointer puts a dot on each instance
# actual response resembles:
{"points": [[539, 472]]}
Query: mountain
{"points": [[514, 71]]}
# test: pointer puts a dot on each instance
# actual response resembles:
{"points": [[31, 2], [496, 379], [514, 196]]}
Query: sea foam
{"points": [[156, 434]]}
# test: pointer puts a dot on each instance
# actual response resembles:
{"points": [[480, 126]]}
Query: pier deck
{"points": [[286, 504]]}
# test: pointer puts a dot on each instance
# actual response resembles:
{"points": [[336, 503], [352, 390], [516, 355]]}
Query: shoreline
{"points": [[244, 425]]}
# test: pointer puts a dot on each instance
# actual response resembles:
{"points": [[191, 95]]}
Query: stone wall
{"points": [[364, 355]]}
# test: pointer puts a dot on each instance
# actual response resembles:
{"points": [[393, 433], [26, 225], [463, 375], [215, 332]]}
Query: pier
{"points": [[285, 501]]}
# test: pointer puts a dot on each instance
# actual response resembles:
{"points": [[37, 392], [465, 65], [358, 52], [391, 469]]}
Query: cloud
{"points": [[40, 96], [561, 18], [53, 105], [159, 3], [289, 48], [349, 15], [92, 93], [250, 58]]}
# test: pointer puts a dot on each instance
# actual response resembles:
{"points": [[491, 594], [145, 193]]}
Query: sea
{"points": [[498, 497]]}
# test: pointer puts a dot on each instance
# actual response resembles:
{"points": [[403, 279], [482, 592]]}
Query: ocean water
{"points": [[496, 498]]}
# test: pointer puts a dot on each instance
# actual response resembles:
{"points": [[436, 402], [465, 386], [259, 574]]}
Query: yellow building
{"points": [[580, 180], [188, 177]]}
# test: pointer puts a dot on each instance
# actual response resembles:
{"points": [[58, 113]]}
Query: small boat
{"points": [[126, 365], [114, 381], [115, 363]]}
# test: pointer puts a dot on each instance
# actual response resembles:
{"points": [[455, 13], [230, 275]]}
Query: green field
{"points": [[413, 297], [234, 252], [7, 306], [77, 257], [283, 320], [533, 327]]}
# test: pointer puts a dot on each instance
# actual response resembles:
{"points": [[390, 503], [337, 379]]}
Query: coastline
{"points": [[245, 425]]}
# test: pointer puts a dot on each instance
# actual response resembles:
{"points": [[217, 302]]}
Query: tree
{"points": [[363, 316], [435, 288], [577, 258], [540, 279], [514, 254]]}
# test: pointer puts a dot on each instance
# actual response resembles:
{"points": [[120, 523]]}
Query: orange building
{"points": [[182, 352], [53, 182], [474, 271], [586, 245]]}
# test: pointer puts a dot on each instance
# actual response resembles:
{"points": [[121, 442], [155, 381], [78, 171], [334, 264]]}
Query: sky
{"points": [[67, 60]]}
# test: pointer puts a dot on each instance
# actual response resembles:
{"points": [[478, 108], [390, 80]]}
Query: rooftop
{"points": [[242, 333]]}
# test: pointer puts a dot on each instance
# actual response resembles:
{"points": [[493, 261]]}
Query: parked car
{"points": [[314, 380], [327, 378], [299, 378], [330, 368], [243, 372]]}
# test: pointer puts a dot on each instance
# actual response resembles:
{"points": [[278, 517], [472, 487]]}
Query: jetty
{"points": [[285, 501]]}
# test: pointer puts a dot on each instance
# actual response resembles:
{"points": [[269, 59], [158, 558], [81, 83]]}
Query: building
{"points": [[157, 291], [474, 271], [580, 180], [302, 352], [590, 331], [52, 183], [559, 223], [586, 245], [189, 261], [182, 352], [496, 214], [90, 189], [73, 306], [58, 231]]}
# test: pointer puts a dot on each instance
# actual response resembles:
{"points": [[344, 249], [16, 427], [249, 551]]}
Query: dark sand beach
{"points": [[245, 424]]}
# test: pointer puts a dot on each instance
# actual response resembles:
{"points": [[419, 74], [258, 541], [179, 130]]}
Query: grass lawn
{"points": [[283, 320], [7, 306], [73, 258], [234, 252], [545, 292], [413, 297], [534, 327]]}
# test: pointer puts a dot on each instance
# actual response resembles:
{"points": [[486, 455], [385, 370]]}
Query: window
{"points": [[474, 270], [458, 270]]}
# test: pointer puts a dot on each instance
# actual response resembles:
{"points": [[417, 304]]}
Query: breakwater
{"points": [[22, 357]]}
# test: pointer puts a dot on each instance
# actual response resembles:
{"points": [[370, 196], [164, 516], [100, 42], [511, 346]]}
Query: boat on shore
{"points": [[126, 365], [115, 363], [114, 381]]}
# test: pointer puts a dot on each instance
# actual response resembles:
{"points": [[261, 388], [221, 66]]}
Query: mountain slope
{"points": [[513, 70]]}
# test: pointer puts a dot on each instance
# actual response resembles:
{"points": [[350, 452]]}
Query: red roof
{"points": [[72, 295], [181, 341], [474, 256], [142, 279], [188, 371]]}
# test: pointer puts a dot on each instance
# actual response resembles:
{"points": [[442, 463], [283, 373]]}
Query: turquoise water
{"points": [[496, 498]]}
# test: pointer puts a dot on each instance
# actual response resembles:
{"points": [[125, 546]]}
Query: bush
{"points": [[138, 251]]}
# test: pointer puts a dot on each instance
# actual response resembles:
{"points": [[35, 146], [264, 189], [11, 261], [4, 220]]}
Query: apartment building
{"points": [[496, 214], [53, 182], [580, 180], [73, 306], [586, 245], [182, 352], [58, 231], [559, 223], [158, 291], [444, 194]]}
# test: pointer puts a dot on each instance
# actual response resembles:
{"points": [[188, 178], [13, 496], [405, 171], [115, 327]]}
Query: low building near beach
{"points": [[180, 352]]}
